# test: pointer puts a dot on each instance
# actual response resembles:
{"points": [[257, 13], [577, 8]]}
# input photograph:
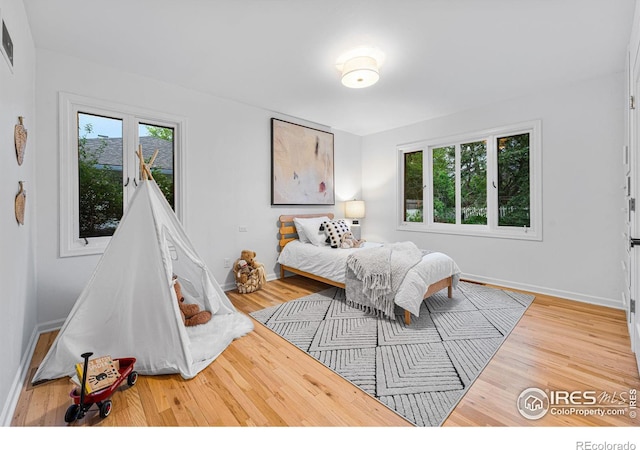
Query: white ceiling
{"points": [[441, 56]]}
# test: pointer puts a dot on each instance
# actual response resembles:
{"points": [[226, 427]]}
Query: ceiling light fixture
{"points": [[360, 72], [359, 67]]}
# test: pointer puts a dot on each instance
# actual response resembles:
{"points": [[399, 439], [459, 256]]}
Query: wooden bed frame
{"points": [[287, 233]]}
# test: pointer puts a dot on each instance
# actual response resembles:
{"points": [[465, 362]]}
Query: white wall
{"points": [[228, 172], [582, 200], [17, 242]]}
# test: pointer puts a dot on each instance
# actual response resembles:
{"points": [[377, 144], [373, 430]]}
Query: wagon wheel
{"points": [[72, 413], [132, 378], [105, 408]]}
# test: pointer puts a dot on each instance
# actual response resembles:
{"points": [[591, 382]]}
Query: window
{"points": [[486, 183], [514, 181], [100, 169], [413, 186]]}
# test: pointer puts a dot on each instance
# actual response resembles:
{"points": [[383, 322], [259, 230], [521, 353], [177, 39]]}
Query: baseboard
{"points": [[50, 326], [18, 381], [584, 298]]}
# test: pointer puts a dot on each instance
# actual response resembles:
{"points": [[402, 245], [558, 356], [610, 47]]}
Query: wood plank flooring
{"points": [[262, 380]]}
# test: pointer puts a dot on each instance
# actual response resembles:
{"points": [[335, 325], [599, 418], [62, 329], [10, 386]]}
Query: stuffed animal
{"points": [[348, 241], [249, 257], [249, 273], [190, 312], [242, 270]]}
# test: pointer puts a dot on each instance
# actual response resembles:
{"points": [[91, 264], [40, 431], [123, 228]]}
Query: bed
{"points": [[433, 273]]}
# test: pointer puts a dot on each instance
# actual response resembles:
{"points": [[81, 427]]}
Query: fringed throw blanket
{"points": [[375, 274]]}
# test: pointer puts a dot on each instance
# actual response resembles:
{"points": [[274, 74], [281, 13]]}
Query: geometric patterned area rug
{"points": [[421, 371]]}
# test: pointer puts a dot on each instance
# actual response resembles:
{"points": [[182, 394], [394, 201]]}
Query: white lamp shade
{"points": [[354, 209], [360, 72]]}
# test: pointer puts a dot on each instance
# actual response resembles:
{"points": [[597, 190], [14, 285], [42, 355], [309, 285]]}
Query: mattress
{"points": [[331, 263]]}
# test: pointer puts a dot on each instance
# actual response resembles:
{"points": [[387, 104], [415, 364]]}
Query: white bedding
{"points": [[331, 263]]}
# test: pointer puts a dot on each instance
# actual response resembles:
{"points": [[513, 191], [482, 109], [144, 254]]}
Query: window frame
{"points": [[70, 244], [491, 229]]}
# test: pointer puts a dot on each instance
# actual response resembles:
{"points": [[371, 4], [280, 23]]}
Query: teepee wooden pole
{"points": [[149, 175], [153, 158], [145, 173]]}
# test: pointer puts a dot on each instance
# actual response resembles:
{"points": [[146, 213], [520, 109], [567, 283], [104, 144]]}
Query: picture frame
{"points": [[302, 165], [6, 43]]}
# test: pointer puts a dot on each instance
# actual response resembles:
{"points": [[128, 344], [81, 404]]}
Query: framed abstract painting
{"points": [[301, 165]]}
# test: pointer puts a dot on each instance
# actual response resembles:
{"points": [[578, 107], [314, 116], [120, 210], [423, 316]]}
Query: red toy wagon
{"points": [[83, 401]]}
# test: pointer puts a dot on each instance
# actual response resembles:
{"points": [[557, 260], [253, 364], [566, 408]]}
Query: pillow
{"points": [[334, 229], [309, 230], [300, 230]]}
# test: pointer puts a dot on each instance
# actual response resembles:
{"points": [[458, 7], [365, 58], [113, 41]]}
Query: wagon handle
{"points": [[84, 376]]}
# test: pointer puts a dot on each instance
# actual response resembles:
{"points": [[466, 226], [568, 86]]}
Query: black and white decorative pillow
{"points": [[334, 229]]}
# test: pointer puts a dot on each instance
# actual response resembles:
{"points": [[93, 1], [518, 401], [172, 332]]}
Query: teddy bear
{"points": [[249, 274], [348, 241], [190, 312], [249, 256]]}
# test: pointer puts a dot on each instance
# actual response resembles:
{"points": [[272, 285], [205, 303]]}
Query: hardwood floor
{"points": [[262, 380]]}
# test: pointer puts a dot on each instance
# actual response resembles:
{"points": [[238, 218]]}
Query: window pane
{"points": [[473, 182], [513, 181], [413, 187], [100, 174], [154, 137], [444, 184]]}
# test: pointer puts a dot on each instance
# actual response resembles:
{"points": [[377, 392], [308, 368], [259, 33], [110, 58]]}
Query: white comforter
{"points": [[331, 263]]}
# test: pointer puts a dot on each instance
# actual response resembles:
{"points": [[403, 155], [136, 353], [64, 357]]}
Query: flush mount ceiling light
{"points": [[360, 72], [359, 67]]}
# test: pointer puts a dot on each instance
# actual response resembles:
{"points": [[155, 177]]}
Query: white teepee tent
{"points": [[129, 307]]}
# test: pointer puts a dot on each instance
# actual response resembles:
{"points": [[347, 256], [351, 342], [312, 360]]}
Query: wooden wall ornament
{"points": [[20, 136], [21, 199]]}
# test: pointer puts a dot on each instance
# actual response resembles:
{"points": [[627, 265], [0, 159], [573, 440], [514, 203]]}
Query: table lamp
{"points": [[354, 210]]}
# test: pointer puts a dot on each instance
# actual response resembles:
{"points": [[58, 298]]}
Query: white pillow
{"points": [[300, 230], [310, 228]]}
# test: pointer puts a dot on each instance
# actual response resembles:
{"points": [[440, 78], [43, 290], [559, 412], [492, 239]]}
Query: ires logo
{"points": [[573, 398], [534, 403]]}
